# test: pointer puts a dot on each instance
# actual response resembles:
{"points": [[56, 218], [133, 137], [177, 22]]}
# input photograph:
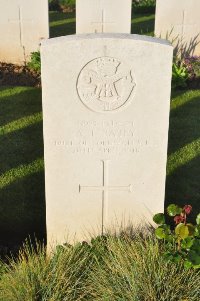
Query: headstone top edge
{"points": [[92, 36]]}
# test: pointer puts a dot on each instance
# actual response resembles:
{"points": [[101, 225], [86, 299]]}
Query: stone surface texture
{"points": [[23, 23], [103, 16], [179, 21], [106, 101]]}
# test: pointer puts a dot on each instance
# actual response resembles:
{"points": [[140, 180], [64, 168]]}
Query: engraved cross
{"points": [[105, 189], [185, 24], [103, 22], [20, 20]]}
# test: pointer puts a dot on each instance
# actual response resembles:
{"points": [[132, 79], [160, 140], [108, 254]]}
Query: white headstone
{"points": [[106, 104], [179, 21], [103, 16], [23, 23]]}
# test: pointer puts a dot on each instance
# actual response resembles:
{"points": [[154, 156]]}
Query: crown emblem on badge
{"points": [[106, 61]]}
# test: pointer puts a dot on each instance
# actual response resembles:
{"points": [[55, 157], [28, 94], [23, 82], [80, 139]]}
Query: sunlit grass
{"points": [[20, 172], [22, 199], [183, 180], [6, 93], [108, 269], [135, 270], [20, 123], [183, 156], [181, 98], [62, 22], [141, 18], [184, 130], [143, 24], [65, 23]]}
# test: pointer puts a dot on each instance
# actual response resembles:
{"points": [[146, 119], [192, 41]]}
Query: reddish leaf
{"points": [[179, 219], [187, 209]]}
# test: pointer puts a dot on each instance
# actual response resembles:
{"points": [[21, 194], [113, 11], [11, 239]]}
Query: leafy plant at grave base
{"points": [[179, 75], [183, 242], [186, 72], [35, 62], [192, 64]]}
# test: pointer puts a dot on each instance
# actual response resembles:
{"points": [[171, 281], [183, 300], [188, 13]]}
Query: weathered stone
{"points": [[103, 16], [23, 23], [106, 112], [179, 22]]}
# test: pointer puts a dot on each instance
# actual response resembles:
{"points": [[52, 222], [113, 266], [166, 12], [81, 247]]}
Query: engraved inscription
{"points": [[105, 84], [105, 188], [106, 137]]}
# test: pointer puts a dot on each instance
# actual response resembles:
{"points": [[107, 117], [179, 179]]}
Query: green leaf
{"points": [[196, 246], [187, 264], [194, 257], [197, 266], [159, 218], [160, 233], [168, 255], [182, 231], [198, 219], [187, 243], [173, 210], [197, 231], [191, 229], [177, 258], [169, 238]]}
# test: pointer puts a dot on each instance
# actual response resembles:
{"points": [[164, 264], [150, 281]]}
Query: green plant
{"points": [[133, 269], [54, 5], [67, 2], [35, 62], [144, 3], [36, 276], [108, 268], [192, 64], [179, 75], [60, 4], [182, 242], [144, 6]]}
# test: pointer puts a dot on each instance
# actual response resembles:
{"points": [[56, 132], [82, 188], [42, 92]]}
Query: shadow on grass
{"points": [[22, 195], [183, 179], [183, 186], [19, 102], [23, 210], [184, 124], [62, 24], [143, 24]]}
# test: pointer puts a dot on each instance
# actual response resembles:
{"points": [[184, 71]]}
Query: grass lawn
{"points": [[64, 23], [183, 170], [99, 272], [22, 208], [22, 195]]}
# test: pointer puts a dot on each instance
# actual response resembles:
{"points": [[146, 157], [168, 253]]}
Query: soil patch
{"points": [[194, 84], [13, 75]]}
